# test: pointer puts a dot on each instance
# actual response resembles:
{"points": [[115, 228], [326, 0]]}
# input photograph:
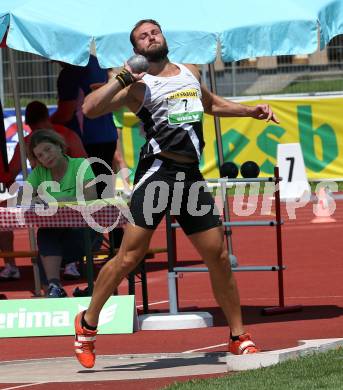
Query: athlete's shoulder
{"points": [[194, 70]]}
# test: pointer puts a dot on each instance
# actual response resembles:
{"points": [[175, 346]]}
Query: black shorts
{"points": [[162, 184]]}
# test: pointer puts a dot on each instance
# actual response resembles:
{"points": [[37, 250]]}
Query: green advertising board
{"points": [[55, 317]]}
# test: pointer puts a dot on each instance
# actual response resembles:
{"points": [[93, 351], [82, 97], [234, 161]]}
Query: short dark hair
{"points": [[35, 112], [138, 24], [45, 135]]}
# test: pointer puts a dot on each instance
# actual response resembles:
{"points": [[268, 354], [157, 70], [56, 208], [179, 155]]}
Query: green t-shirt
{"points": [[72, 179]]}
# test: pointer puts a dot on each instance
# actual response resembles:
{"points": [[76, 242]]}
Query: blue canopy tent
{"points": [[64, 30]]}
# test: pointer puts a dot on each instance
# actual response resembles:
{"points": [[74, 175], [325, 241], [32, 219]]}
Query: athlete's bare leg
{"points": [[210, 245], [134, 246]]}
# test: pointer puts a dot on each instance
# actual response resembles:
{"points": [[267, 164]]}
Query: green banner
{"points": [[55, 317]]}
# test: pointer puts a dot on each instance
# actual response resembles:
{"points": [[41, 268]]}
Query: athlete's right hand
{"points": [[136, 76]]}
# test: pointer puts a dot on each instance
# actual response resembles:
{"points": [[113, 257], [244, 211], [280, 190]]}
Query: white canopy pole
{"points": [[228, 230], [20, 130], [213, 87], [18, 113], [2, 94]]}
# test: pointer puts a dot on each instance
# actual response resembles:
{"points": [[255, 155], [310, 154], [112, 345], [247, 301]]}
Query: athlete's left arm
{"points": [[216, 105]]}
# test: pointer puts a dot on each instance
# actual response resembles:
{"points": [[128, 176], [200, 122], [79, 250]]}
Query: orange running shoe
{"points": [[243, 345], [84, 343]]}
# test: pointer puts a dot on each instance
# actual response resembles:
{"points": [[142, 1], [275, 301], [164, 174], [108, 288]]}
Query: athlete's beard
{"points": [[156, 55]]}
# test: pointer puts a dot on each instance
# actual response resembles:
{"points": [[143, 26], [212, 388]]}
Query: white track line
{"points": [[295, 297], [27, 385], [153, 303], [202, 349], [275, 298]]}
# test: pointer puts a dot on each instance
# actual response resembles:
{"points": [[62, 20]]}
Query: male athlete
{"points": [[170, 101]]}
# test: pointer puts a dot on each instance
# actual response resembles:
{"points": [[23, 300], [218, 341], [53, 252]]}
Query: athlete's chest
{"points": [[162, 92], [177, 100]]}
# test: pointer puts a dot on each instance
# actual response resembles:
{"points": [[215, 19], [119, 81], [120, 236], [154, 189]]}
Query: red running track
{"points": [[312, 254]]}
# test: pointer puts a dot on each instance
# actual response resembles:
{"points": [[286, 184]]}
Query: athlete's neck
{"points": [[163, 68]]}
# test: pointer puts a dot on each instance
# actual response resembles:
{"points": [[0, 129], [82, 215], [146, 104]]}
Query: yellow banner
{"points": [[315, 123]]}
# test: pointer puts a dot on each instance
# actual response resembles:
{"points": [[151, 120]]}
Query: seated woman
{"points": [[36, 117], [47, 148]]}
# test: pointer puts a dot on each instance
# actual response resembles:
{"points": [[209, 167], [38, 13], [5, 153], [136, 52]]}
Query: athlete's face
{"points": [[150, 42]]}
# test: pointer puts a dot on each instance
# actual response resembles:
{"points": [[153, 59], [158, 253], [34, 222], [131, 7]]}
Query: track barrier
{"points": [[174, 270]]}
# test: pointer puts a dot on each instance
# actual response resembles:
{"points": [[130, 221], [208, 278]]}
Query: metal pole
{"points": [[172, 276], [228, 230], [23, 161], [89, 260], [18, 113], [2, 94], [234, 89], [203, 75], [213, 88], [281, 308], [279, 238]]}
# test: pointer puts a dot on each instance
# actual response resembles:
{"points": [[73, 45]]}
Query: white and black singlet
{"points": [[172, 114]]}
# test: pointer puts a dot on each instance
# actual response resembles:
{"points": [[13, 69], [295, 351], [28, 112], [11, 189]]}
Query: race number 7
{"points": [[291, 168]]}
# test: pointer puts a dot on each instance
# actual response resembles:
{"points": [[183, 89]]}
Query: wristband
{"points": [[125, 78]]}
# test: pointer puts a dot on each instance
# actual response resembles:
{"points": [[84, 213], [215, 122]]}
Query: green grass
{"points": [[316, 371], [314, 86]]}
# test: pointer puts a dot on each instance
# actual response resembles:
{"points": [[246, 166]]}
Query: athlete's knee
{"points": [[223, 257], [128, 262], [218, 251], [218, 255]]}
